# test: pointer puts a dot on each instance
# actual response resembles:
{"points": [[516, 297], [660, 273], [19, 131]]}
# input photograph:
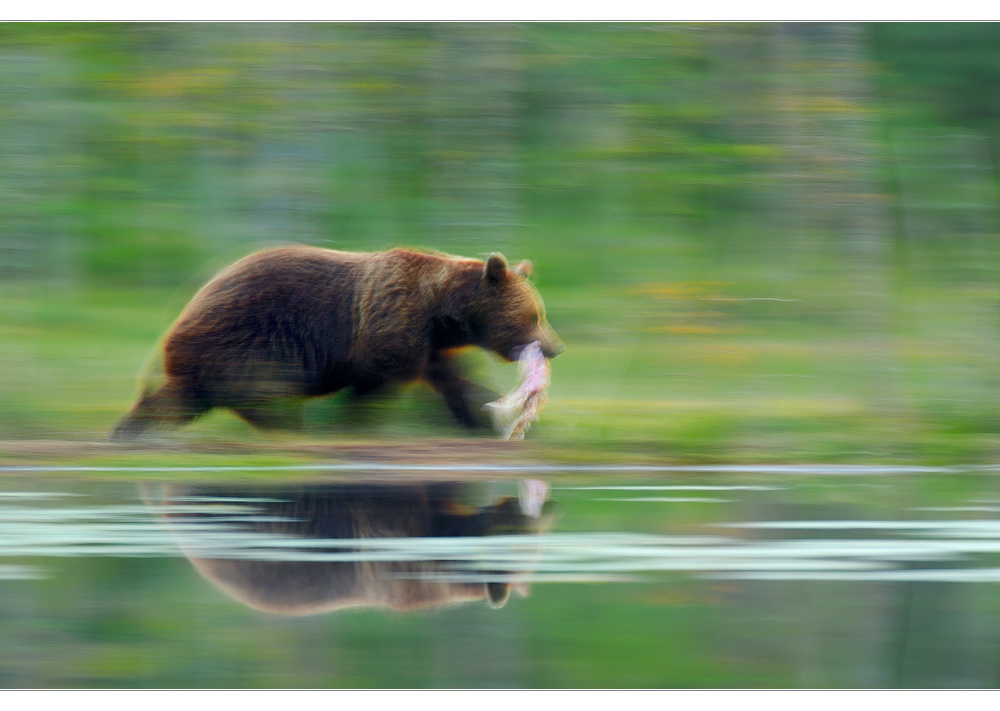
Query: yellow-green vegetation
{"points": [[759, 243], [672, 370]]}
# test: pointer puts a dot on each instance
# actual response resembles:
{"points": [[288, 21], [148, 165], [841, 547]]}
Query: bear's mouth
{"points": [[548, 350]]}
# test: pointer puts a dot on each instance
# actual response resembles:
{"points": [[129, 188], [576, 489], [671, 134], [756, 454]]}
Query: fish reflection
{"points": [[324, 548]]}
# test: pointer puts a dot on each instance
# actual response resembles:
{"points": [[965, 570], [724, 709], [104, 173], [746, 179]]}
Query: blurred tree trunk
{"points": [[829, 184]]}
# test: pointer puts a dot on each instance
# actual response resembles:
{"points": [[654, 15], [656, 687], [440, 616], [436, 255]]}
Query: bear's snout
{"points": [[550, 342], [555, 350]]}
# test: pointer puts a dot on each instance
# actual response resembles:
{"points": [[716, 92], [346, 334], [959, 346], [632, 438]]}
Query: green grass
{"points": [[677, 369]]}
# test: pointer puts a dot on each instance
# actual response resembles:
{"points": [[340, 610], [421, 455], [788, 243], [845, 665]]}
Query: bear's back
{"points": [[280, 308]]}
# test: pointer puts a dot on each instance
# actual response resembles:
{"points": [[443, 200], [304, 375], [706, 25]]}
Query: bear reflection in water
{"points": [[259, 568]]}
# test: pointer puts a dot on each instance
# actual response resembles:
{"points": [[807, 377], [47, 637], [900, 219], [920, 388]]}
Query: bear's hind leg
{"points": [[170, 406]]}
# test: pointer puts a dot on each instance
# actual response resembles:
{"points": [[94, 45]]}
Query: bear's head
{"points": [[509, 313]]}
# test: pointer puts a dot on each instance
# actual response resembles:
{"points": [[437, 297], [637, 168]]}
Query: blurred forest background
{"points": [[759, 242]]}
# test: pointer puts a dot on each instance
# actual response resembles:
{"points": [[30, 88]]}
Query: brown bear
{"points": [[319, 548], [299, 322]]}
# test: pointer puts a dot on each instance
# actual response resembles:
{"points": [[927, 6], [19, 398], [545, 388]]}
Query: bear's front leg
{"points": [[463, 397]]}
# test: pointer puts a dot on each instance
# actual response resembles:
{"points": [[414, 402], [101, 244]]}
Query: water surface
{"points": [[540, 577]]}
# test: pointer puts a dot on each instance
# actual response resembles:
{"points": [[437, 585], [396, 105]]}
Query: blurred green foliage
{"points": [[759, 242]]}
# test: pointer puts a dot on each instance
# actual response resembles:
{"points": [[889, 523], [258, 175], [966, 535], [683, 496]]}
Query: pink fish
{"points": [[514, 413]]}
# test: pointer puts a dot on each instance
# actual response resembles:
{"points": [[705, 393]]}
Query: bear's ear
{"points": [[496, 267], [524, 268]]}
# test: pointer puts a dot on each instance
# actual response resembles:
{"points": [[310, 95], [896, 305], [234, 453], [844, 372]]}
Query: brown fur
{"points": [[330, 513], [300, 322]]}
